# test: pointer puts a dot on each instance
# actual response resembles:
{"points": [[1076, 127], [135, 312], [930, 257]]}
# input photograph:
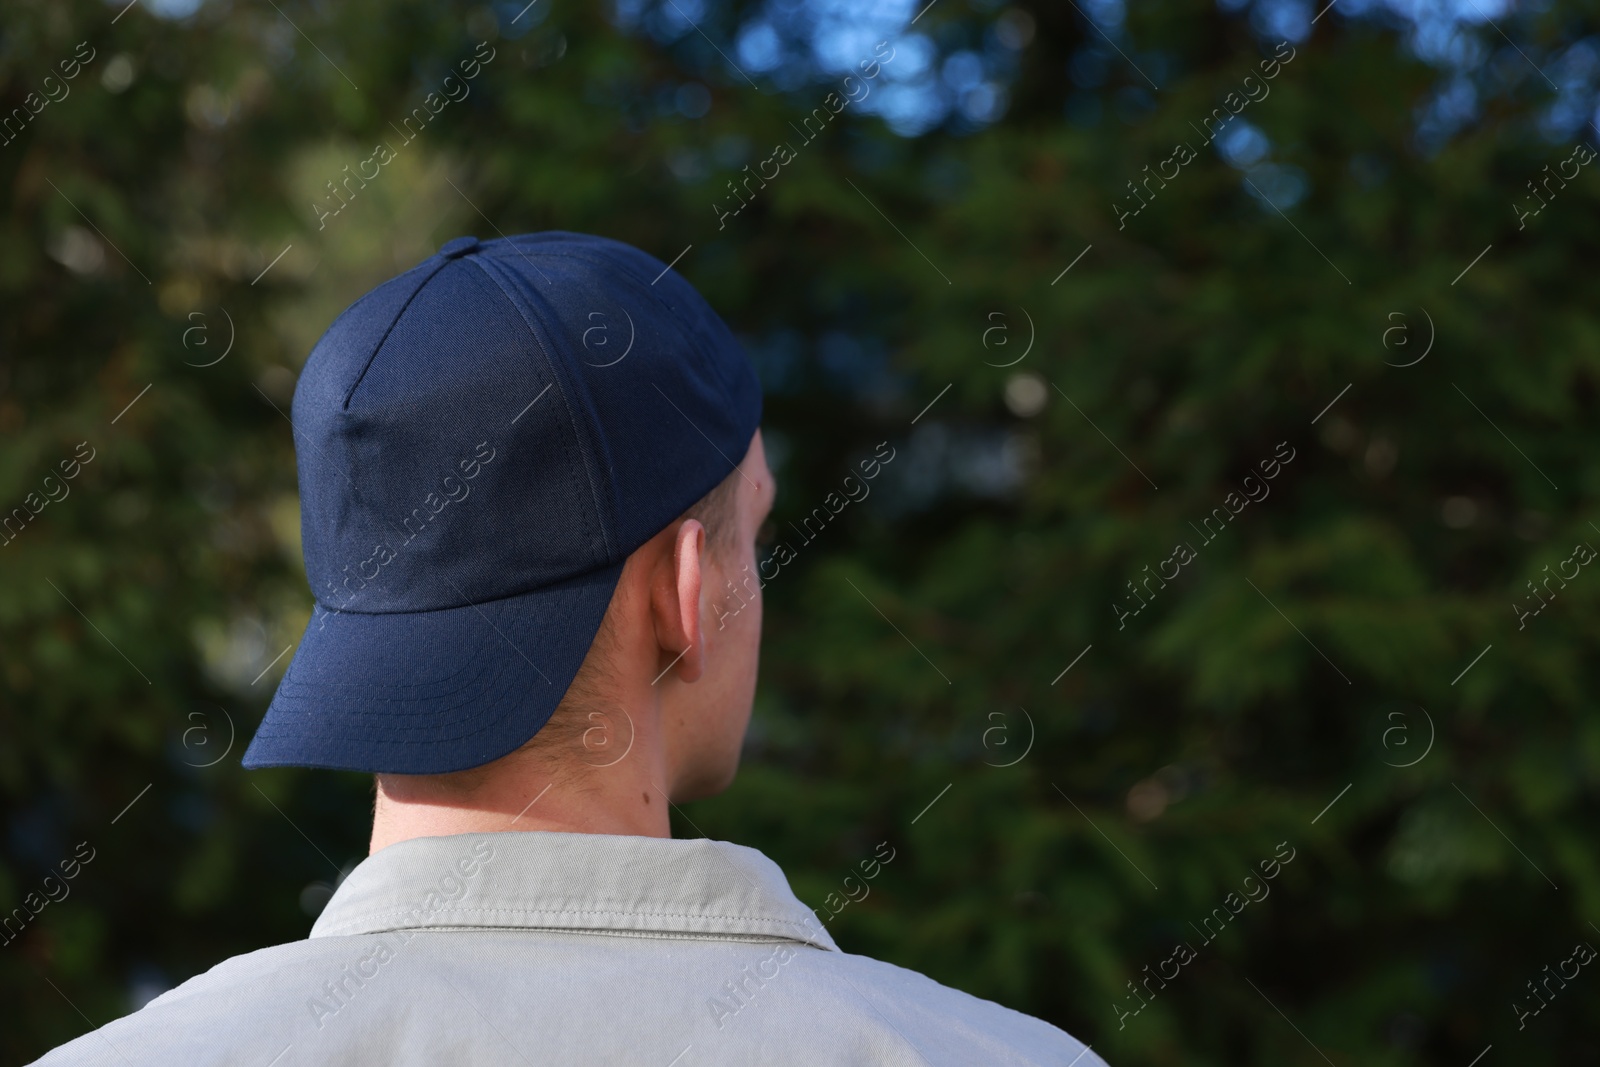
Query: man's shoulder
{"points": [[328, 1000], [183, 1022], [933, 1018]]}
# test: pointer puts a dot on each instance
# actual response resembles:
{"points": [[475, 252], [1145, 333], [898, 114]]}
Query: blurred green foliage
{"points": [[1316, 643]]}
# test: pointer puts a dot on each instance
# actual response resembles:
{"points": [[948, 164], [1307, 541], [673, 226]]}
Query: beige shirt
{"points": [[543, 948]]}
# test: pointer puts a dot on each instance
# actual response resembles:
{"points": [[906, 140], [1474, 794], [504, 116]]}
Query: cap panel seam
{"points": [[390, 329], [605, 262], [564, 383], [648, 288]]}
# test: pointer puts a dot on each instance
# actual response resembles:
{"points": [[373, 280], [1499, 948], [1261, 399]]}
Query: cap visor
{"points": [[430, 692]]}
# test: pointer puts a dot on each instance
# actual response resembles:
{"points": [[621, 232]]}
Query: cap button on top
{"points": [[458, 247]]}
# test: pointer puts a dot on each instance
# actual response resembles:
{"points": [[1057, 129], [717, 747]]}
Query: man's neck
{"points": [[520, 794]]}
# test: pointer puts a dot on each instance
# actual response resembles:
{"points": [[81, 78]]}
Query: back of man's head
{"points": [[592, 728], [530, 475]]}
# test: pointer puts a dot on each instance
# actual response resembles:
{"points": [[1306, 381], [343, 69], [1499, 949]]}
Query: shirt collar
{"points": [[600, 883]]}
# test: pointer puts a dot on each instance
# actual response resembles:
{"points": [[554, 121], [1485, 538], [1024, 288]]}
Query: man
{"points": [[529, 471]]}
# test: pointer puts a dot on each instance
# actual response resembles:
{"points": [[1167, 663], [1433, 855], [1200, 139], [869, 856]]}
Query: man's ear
{"points": [[675, 604]]}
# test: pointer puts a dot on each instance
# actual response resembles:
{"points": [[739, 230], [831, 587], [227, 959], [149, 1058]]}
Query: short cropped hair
{"points": [[582, 722]]}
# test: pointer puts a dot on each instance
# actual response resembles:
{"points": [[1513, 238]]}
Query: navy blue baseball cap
{"points": [[482, 442]]}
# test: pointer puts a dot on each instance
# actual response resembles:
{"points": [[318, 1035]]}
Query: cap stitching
{"points": [[392, 323], [479, 603], [620, 263], [651, 294], [559, 372]]}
